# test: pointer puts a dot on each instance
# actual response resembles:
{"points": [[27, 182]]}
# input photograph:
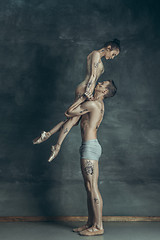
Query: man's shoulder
{"points": [[90, 104], [93, 105]]}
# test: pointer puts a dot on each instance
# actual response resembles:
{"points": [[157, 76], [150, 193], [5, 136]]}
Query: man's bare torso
{"points": [[90, 121]]}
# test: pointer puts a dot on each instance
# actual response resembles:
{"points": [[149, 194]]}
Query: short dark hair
{"points": [[112, 89], [115, 44]]}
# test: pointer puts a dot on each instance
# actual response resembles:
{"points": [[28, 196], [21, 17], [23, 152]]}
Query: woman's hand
{"points": [[89, 95]]}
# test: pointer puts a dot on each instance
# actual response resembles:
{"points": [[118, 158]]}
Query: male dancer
{"points": [[90, 151]]}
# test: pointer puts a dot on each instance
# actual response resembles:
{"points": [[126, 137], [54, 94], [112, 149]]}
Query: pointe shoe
{"points": [[54, 152], [43, 137], [80, 228], [93, 231]]}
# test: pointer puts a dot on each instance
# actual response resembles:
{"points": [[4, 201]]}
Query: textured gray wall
{"points": [[43, 49]]}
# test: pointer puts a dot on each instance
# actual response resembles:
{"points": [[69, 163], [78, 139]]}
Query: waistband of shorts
{"points": [[88, 141]]}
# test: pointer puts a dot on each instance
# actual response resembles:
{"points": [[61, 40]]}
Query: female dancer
{"points": [[83, 92]]}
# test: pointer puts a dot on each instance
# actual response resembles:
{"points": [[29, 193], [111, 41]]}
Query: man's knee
{"points": [[90, 187]]}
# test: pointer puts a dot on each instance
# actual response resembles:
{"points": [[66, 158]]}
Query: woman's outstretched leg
{"points": [[64, 130], [64, 127], [45, 135]]}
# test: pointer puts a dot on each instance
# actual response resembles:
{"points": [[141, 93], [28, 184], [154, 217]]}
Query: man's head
{"points": [[105, 89], [112, 49]]}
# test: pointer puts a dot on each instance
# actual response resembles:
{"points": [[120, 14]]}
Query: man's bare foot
{"points": [[43, 137], [92, 231], [81, 228], [54, 152]]}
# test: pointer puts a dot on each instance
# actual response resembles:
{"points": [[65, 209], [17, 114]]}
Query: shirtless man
{"points": [[90, 151], [83, 92]]}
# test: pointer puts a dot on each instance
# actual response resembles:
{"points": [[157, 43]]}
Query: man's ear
{"points": [[106, 90], [109, 47]]}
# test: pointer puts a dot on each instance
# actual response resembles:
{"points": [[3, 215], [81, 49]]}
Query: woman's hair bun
{"points": [[114, 44], [116, 41]]}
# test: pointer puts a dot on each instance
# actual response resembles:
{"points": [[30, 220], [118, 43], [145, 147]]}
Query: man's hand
{"points": [[89, 95]]}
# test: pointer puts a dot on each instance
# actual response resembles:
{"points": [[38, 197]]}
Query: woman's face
{"points": [[110, 54]]}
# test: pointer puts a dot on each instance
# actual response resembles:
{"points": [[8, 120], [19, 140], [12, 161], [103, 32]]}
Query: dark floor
{"points": [[63, 231]]}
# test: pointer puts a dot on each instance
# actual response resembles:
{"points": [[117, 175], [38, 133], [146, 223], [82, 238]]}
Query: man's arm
{"points": [[82, 109], [94, 65]]}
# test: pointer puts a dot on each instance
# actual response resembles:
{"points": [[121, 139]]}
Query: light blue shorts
{"points": [[90, 150]]}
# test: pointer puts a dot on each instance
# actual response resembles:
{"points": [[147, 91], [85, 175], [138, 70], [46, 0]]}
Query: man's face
{"points": [[102, 86], [110, 54]]}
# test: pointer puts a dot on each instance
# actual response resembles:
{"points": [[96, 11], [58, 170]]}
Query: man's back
{"points": [[91, 120]]}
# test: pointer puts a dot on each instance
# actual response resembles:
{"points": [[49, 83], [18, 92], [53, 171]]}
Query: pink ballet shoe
{"points": [[54, 152], [43, 137]]}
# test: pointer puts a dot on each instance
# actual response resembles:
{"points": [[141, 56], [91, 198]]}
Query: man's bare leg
{"points": [[90, 172], [65, 128], [90, 216]]}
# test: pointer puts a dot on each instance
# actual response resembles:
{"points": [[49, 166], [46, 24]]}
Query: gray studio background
{"points": [[43, 50]]}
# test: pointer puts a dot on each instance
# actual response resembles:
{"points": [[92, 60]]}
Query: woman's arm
{"points": [[94, 65], [91, 83]]}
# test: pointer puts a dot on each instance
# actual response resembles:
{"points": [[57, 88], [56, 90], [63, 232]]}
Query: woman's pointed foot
{"points": [[43, 137], [54, 152]]}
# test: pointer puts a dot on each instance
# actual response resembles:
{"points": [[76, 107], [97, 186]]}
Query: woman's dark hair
{"points": [[112, 89], [114, 44]]}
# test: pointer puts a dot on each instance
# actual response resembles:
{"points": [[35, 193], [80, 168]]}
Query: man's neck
{"points": [[98, 96]]}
